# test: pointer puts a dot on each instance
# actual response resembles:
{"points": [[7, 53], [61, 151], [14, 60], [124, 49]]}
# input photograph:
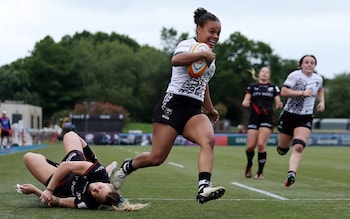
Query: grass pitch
{"points": [[322, 188]]}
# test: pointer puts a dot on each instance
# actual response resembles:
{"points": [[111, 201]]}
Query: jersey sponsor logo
{"points": [[72, 186], [270, 89], [78, 195], [263, 94], [98, 169], [85, 188]]}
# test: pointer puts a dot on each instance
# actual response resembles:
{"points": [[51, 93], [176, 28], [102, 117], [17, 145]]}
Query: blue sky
{"points": [[291, 28]]}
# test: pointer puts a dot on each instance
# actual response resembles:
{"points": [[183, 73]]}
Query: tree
{"points": [[336, 97], [153, 75], [115, 72], [15, 84], [50, 73], [169, 39]]}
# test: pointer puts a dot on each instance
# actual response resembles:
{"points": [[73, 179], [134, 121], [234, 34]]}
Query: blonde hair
{"points": [[253, 73], [126, 206]]}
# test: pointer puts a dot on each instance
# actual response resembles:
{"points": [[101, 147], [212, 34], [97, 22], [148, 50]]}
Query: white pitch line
{"points": [[134, 152], [240, 199], [259, 191], [176, 164]]}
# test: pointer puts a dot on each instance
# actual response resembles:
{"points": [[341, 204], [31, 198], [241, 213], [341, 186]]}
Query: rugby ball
{"points": [[196, 69]]}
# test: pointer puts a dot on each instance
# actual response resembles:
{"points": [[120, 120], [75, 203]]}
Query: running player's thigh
{"points": [[284, 140], [163, 138], [71, 141], [302, 133], [38, 166], [199, 129]]}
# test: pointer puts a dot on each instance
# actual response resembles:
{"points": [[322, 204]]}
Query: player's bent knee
{"points": [[282, 151], [298, 148], [27, 157]]}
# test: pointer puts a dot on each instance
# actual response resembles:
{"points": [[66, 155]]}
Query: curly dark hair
{"points": [[202, 16]]}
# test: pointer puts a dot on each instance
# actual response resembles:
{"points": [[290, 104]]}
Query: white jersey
{"points": [[299, 82], [182, 83]]}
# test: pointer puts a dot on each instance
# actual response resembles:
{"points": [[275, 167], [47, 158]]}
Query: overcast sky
{"points": [[292, 28]]}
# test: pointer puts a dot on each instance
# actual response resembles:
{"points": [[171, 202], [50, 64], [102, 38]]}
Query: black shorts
{"points": [[176, 110], [5, 133], [73, 155], [257, 121], [289, 121], [76, 155]]}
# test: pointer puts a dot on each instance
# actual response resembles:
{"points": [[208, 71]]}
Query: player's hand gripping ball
{"points": [[196, 69]]}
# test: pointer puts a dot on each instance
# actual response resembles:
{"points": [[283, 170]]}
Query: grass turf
{"points": [[322, 188]]}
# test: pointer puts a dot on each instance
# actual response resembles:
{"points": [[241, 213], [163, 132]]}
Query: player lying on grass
{"points": [[79, 181]]}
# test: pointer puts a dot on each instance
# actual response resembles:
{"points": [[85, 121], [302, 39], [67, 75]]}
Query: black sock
{"points": [[291, 171], [203, 180], [89, 154], [261, 161], [204, 176], [127, 167], [250, 156]]}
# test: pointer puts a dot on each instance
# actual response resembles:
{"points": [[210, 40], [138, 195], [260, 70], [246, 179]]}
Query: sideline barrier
{"points": [[221, 139], [315, 140]]}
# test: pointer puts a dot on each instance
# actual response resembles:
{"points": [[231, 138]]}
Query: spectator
{"points": [[5, 131]]}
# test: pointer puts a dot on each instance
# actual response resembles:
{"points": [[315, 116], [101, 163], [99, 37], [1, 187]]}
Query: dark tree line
{"points": [[115, 69]]}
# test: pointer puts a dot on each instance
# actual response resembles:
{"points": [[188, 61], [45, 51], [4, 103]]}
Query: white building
{"points": [[30, 115]]}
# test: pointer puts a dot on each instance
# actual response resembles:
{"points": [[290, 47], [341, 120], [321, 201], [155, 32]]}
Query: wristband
{"points": [[51, 190]]}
